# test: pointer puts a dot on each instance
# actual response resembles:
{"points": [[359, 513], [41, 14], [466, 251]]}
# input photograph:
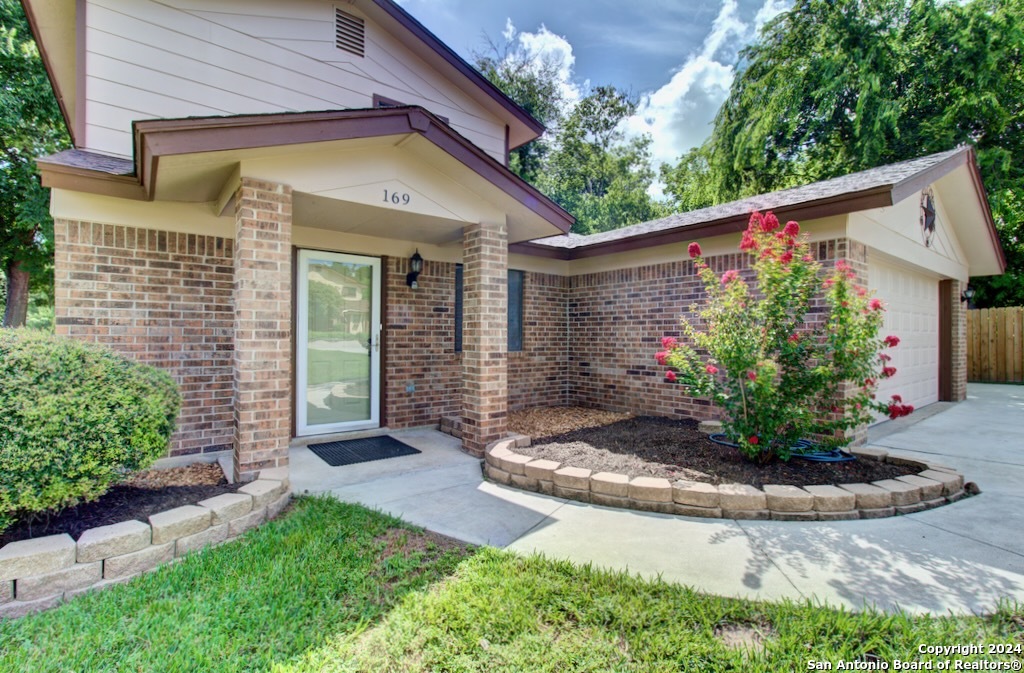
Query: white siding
{"points": [[176, 58]]}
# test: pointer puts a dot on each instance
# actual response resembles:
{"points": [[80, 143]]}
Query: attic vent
{"points": [[349, 32]]}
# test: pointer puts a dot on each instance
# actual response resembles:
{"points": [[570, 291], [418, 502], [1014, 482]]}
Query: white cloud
{"points": [[549, 48], [679, 115]]}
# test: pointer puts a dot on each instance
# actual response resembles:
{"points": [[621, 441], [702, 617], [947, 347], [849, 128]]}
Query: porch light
{"points": [[967, 295], [415, 266]]}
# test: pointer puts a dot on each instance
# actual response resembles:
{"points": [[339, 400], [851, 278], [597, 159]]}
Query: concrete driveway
{"points": [[960, 558]]}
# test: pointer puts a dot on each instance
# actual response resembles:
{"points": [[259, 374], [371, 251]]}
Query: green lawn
{"points": [[334, 587]]}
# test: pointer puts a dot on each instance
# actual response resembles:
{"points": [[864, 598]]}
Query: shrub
{"points": [[74, 419], [778, 376]]}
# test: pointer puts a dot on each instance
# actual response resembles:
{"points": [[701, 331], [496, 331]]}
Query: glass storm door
{"points": [[337, 378]]}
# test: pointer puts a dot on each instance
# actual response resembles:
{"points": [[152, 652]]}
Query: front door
{"points": [[337, 362]]}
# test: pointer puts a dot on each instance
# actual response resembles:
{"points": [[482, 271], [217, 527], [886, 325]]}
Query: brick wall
{"points": [[161, 298], [617, 319], [263, 327], [420, 346], [538, 374]]}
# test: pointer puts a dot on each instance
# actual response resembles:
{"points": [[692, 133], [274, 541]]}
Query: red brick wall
{"points": [[162, 298], [537, 375], [617, 319], [419, 328]]}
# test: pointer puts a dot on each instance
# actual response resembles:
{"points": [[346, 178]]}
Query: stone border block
{"points": [[832, 498], [784, 498], [794, 516], [696, 494], [227, 506], [606, 500], [869, 496], [877, 513], [541, 469], [746, 514], [902, 493], [741, 497], [609, 483], [213, 535], [25, 558], [116, 539], [930, 489], [911, 509], [523, 482], [6, 591], [137, 562], [277, 474], [694, 510], [514, 463], [275, 508], [16, 609], [839, 516], [243, 523], [263, 492], [570, 493], [710, 427], [181, 521], [870, 452], [577, 478], [497, 474], [951, 481], [77, 576], [650, 489], [98, 586]]}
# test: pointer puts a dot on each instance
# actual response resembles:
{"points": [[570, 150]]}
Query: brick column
{"points": [[262, 310], [484, 335], [958, 342]]}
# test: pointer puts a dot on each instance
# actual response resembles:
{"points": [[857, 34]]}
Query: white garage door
{"points": [[912, 313]]}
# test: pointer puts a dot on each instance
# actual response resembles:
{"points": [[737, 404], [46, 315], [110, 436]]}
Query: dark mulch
{"points": [[647, 446], [120, 503]]}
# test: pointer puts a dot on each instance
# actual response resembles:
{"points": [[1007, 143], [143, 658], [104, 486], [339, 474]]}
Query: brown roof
{"points": [[875, 187]]}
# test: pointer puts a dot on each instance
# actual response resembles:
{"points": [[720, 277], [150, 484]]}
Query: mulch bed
{"points": [[144, 494], [647, 446]]}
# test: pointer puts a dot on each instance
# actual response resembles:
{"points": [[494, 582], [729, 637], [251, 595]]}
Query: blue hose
{"points": [[801, 448]]}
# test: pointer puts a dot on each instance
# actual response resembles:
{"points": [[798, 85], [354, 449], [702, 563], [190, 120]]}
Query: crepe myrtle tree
{"points": [[777, 375]]}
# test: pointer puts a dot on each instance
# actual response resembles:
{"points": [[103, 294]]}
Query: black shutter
{"points": [[458, 308], [515, 310]]}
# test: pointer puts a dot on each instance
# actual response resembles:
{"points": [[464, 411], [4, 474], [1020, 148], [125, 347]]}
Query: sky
{"points": [[677, 57]]}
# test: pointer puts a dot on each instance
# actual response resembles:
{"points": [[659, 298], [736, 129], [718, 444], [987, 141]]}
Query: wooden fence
{"points": [[995, 345]]}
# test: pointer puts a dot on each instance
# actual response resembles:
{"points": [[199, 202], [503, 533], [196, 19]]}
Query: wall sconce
{"points": [[967, 295], [415, 266]]}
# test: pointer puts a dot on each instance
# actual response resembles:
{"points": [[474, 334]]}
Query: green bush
{"points": [[74, 419]]}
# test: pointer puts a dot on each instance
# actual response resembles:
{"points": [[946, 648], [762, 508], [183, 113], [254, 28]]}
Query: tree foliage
{"points": [[836, 86], [30, 125]]}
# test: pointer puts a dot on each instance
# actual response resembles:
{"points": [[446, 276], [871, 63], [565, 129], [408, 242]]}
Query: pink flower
{"points": [[787, 257], [897, 399], [752, 439], [836, 410], [694, 250], [770, 222], [730, 275], [862, 292], [829, 282], [668, 342], [884, 358], [755, 221], [752, 376], [875, 304], [661, 357], [670, 376], [888, 372], [793, 338], [808, 258], [748, 242], [842, 265], [711, 369], [891, 341], [791, 229]]}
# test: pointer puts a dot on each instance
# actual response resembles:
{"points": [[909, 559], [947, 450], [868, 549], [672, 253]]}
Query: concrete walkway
{"points": [[959, 558]]}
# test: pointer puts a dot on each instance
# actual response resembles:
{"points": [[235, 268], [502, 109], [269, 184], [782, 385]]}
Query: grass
{"points": [[333, 587]]}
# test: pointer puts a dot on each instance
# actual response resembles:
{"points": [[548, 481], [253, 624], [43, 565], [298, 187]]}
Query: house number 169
{"points": [[396, 198]]}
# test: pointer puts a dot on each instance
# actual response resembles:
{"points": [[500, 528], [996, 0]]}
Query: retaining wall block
{"points": [[577, 478], [77, 576], [902, 493], [542, 469], [243, 523], [784, 498], [650, 489], [181, 521], [263, 492], [39, 555], [116, 539], [740, 497], [138, 561], [868, 496], [227, 506], [832, 499], [610, 484], [213, 535], [695, 494]]}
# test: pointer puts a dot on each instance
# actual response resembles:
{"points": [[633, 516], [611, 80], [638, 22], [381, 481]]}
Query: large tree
{"points": [[836, 86], [30, 125]]}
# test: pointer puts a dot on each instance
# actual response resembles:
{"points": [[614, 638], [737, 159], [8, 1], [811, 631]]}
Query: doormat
{"points": [[352, 451]]}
